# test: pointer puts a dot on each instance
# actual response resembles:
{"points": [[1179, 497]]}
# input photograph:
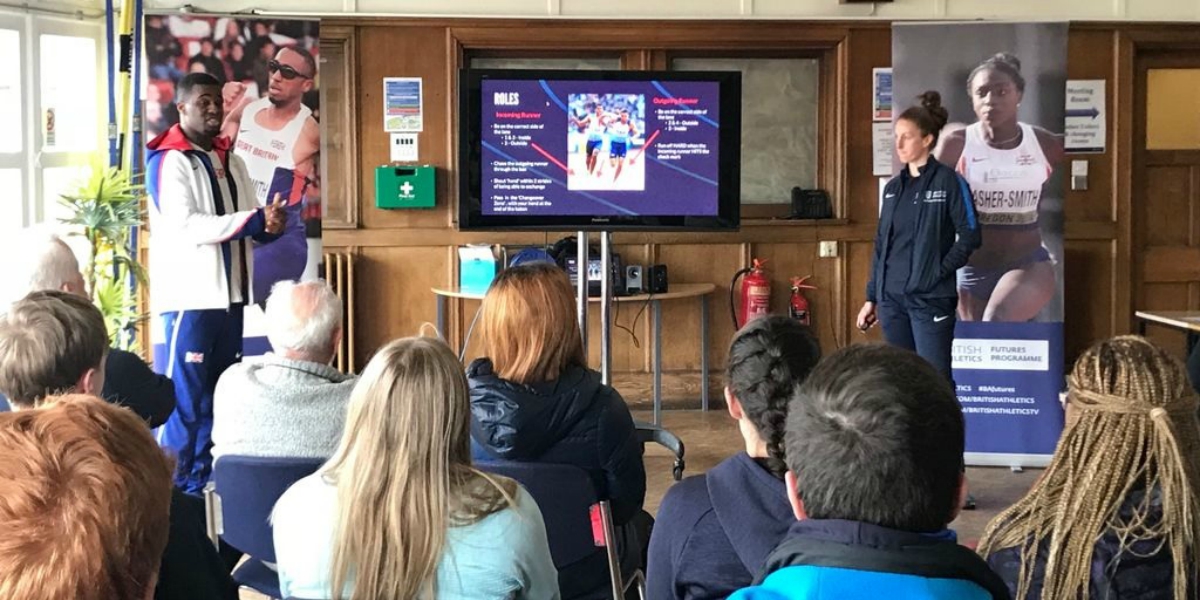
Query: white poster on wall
{"points": [[881, 148], [1085, 119]]}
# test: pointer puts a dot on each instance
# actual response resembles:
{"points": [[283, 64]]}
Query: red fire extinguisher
{"points": [[798, 306], [756, 294]]}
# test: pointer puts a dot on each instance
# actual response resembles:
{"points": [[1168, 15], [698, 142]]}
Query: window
{"points": [[11, 209], [1172, 122], [779, 123], [52, 110], [68, 100], [10, 92]]}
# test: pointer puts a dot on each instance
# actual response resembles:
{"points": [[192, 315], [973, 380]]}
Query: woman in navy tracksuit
{"points": [[927, 230]]}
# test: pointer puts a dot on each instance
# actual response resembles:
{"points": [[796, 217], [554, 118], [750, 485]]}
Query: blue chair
{"points": [[240, 498], [579, 526]]}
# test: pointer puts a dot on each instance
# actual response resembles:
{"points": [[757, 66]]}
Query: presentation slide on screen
{"points": [[600, 148]]}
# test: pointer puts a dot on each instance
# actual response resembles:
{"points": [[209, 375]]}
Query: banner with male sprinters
{"points": [[269, 76]]}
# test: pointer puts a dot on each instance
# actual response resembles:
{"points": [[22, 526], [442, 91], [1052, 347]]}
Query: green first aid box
{"points": [[405, 187]]}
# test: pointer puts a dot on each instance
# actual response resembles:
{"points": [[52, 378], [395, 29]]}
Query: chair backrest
{"points": [[249, 487], [565, 496]]}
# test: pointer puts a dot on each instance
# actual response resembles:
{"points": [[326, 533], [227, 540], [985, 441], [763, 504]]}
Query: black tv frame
{"points": [[470, 201]]}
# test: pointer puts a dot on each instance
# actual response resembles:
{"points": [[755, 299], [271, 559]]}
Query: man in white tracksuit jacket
{"points": [[203, 216]]}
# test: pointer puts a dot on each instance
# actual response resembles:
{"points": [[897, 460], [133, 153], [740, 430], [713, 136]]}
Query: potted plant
{"points": [[105, 209]]}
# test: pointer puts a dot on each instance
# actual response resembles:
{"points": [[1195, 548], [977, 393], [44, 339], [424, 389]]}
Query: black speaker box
{"points": [[656, 279]]}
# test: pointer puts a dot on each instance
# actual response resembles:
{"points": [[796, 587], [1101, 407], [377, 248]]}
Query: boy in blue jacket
{"points": [[874, 447]]}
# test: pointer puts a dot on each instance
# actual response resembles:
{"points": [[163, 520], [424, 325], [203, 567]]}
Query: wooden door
{"points": [[1166, 187]]}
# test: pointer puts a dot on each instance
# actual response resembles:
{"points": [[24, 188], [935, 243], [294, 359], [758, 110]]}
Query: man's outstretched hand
{"points": [[276, 214]]}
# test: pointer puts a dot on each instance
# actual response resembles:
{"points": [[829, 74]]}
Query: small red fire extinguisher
{"points": [[756, 294], [798, 306]]}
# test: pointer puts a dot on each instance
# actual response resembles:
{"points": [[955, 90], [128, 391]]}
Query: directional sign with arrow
{"points": [[1086, 126]]}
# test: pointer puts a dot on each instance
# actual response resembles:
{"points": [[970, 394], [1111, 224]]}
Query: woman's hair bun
{"points": [[931, 101], [1008, 59]]}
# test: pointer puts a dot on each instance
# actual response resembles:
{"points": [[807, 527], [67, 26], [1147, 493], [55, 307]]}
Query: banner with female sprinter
{"points": [[268, 69], [1004, 87]]}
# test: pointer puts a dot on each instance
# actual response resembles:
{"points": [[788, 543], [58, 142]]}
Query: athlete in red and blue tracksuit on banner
{"points": [[203, 217]]}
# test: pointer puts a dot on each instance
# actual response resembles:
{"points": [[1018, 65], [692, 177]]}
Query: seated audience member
{"points": [[533, 399], [290, 403], [399, 512], [874, 449], [54, 342], [49, 264], [1115, 514], [51, 342], [86, 494], [714, 531]]}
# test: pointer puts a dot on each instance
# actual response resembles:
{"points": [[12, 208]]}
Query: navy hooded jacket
{"points": [[714, 531], [945, 231], [574, 420]]}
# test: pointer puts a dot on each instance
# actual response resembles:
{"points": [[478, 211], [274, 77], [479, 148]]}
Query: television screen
{"points": [[599, 150]]}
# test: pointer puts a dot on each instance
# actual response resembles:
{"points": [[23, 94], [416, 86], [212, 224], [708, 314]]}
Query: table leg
{"points": [[656, 312], [704, 352], [441, 315]]}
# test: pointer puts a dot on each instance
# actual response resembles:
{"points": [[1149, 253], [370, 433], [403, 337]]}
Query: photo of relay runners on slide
{"points": [[599, 148], [604, 133]]}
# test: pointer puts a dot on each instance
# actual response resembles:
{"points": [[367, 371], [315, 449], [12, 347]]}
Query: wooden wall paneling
{"points": [[412, 51], [1174, 264], [831, 126], [339, 82], [713, 263], [406, 252], [1087, 275], [1167, 213], [1123, 139], [638, 60], [1090, 54], [858, 270], [751, 232], [1166, 296], [392, 292], [785, 261], [866, 49], [606, 35]]}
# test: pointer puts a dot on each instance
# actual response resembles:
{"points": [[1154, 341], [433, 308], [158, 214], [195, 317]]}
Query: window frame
{"points": [[34, 158]]}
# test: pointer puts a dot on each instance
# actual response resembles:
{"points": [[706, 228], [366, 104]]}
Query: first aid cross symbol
{"points": [[406, 189]]}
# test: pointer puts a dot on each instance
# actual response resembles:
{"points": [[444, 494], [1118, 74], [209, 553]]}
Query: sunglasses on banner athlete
{"points": [[289, 73]]}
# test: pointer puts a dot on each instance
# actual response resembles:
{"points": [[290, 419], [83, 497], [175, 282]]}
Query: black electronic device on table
{"points": [[593, 274], [599, 150], [656, 279]]}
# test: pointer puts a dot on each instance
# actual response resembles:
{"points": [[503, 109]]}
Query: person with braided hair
{"points": [[715, 530], [1116, 515]]}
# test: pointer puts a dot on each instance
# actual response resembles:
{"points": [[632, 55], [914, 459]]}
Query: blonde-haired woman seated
{"points": [[398, 511], [533, 399], [1115, 514]]}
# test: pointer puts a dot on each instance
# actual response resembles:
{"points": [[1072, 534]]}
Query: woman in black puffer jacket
{"points": [[533, 399]]}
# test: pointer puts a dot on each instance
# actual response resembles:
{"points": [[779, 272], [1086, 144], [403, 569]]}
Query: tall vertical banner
{"points": [[1004, 87], [268, 69]]}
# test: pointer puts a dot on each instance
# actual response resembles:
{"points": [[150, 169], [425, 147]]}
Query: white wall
{"points": [[1134, 10]]}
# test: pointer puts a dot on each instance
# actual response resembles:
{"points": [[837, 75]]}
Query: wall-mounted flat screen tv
{"points": [[599, 150]]}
